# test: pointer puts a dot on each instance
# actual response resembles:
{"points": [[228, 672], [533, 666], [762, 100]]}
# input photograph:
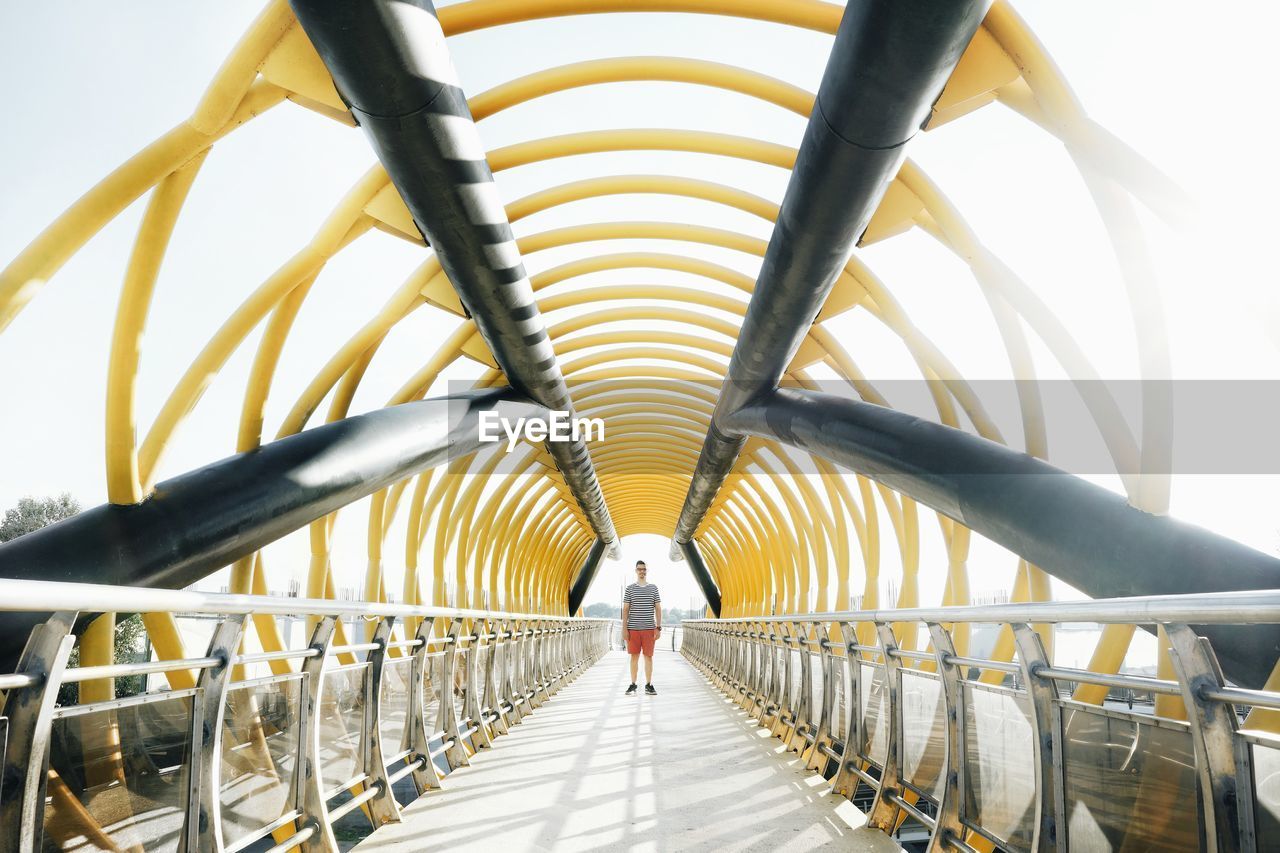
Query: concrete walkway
{"points": [[593, 769]]}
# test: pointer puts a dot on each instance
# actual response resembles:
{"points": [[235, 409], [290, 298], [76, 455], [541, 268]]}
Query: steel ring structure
{"points": [[709, 354]]}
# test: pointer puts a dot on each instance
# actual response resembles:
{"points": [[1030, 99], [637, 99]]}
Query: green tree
{"points": [[30, 515], [33, 513]]}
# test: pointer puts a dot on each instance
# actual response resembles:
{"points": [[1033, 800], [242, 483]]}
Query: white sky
{"points": [[90, 84]]}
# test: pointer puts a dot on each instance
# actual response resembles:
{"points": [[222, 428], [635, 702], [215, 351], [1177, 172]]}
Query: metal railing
{"points": [[267, 750], [974, 753]]}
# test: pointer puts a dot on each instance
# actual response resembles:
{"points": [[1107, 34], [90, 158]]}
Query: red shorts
{"points": [[641, 641]]}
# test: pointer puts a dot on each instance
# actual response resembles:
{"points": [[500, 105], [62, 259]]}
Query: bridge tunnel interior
{"points": [[781, 316]]}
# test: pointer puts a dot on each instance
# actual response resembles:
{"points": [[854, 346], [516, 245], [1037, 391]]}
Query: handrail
{"points": [[40, 596], [1254, 607]]}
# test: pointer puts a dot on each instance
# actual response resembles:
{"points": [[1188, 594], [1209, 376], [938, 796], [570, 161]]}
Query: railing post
{"points": [[1046, 717], [579, 650], [846, 781], [455, 752], [800, 717], [556, 678], [734, 669], [541, 681], [534, 657], [949, 827], [202, 829], [506, 681], [417, 736], [30, 713], [719, 657], [741, 664], [761, 685], [492, 699], [784, 704], [383, 807], [818, 757], [471, 689], [761, 679], [1223, 767], [884, 811], [746, 699], [759, 671], [314, 820], [724, 659], [524, 668]]}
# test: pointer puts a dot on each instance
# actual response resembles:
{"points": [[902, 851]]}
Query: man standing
{"points": [[641, 625]]}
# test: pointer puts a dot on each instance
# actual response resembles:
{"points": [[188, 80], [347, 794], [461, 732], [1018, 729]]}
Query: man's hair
{"points": [[640, 563]]}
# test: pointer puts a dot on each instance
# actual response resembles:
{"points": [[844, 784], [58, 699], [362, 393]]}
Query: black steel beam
{"points": [[689, 550], [888, 65], [201, 521], [390, 64], [1077, 531], [586, 574]]}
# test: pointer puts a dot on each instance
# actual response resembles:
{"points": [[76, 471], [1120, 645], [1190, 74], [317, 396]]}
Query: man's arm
{"points": [[626, 612], [657, 616]]}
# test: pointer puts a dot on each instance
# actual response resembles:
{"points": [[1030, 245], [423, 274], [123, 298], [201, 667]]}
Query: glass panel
{"points": [[1129, 784], [1266, 784], [482, 661], [118, 778], [460, 683], [840, 711], [793, 694], [510, 653], [259, 755], [342, 704], [1000, 777], [431, 691], [875, 705], [923, 732], [815, 675], [497, 687], [395, 704]]}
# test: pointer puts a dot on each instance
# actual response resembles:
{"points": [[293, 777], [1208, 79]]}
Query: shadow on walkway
{"points": [[593, 769]]}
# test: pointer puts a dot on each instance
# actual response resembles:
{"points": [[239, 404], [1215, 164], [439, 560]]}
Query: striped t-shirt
{"points": [[642, 599]]}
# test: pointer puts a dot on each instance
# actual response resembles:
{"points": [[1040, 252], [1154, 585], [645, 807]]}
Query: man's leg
{"points": [[648, 668], [635, 665]]}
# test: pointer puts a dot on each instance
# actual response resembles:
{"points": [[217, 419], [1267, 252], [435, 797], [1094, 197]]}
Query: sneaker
{"points": [[630, 690], [648, 688]]}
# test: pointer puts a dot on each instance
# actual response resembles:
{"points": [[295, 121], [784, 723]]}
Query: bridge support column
{"points": [[756, 635], [820, 752], [203, 826], [491, 698], [472, 689], [426, 776], [383, 807], [1046, 718], [1223, 765], [949, 828], [586, 574], [800, 696], [455, 752], [311, 805], [847, 777], [507, 688], [786, 690], [887, 806], [29, 709]]}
